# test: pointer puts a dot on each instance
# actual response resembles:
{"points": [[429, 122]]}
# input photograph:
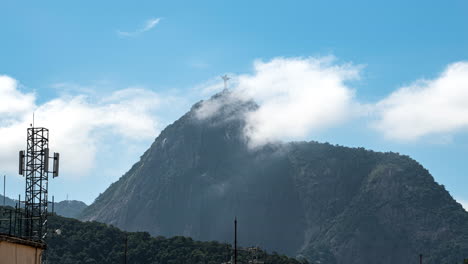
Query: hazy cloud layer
{"points": [[78, 124], [149, 24], [296, 96], [426, 107]]}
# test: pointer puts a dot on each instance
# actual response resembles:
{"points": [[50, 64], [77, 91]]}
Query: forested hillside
{"points": [[97, 243]]}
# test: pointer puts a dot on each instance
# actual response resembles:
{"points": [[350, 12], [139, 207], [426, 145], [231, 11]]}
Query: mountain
{"points": [[331, 204], [8, 201], [63, 208], [69, 208], [97, 243]]}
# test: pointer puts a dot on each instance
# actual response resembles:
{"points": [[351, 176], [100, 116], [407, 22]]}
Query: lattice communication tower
{"points": [[34, 164]]}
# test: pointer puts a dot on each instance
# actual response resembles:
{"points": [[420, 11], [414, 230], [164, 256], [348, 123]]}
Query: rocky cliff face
{"points": [[329, 203]]}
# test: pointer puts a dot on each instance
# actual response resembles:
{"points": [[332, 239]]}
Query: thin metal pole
{"points": [[235, 240], [53, 203], [9, 232], [19, 217], [4, 184], [420, 258], [16, 219]]}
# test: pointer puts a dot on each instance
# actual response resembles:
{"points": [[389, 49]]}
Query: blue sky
{"points": [[62, 50]]}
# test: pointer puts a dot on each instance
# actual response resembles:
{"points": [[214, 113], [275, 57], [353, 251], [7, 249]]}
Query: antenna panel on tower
{"points": [[46, 160], [21, 162], [56, 164]]}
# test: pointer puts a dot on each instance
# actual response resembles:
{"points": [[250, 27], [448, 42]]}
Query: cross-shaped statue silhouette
{"points": [[225, 78]]}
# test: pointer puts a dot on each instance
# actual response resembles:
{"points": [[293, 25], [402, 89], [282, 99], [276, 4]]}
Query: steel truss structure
{"points": [[35, 165], [36, 183]]}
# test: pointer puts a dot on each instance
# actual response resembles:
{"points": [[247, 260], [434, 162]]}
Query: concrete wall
{"points": [[15, 253]]}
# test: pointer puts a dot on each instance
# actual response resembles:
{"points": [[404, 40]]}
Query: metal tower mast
{"points": [[34, 164]]}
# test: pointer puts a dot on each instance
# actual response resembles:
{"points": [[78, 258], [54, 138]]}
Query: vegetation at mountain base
{"points": [[97, 243]]}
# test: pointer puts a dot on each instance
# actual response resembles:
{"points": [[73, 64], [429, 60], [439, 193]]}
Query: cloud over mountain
{"points": [[299, 96], [296, 97]]}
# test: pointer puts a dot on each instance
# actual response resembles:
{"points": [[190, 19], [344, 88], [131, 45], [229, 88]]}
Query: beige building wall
{"points": [[16, 252]]}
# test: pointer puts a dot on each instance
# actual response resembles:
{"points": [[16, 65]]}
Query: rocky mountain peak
{"points": [[331, 204]]}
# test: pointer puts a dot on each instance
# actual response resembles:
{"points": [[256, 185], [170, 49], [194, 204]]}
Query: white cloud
{"points": [[78, 124], [13, 102], [427, 107], [296, 96], [149, 24]]}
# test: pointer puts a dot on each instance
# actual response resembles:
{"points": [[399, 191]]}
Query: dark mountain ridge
{"points": [[67, 208], [331, 204]]}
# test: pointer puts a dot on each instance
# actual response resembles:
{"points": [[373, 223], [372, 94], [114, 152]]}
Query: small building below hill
{"points": [[14, 250]]}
